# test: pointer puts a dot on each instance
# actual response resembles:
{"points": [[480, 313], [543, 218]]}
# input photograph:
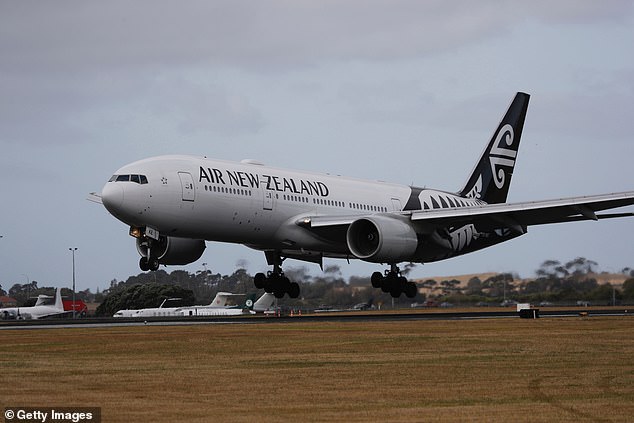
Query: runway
{"points": [[308, 318]]}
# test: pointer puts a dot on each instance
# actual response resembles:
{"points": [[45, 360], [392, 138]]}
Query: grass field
{"points": [[568, 369]]}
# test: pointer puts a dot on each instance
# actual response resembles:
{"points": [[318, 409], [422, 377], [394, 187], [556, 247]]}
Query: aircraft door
{"points": [[396, 204], [267, 197], [187, 184]]}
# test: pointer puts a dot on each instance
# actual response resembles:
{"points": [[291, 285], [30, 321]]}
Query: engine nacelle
{"points": [[172, 250], [382, 239]]}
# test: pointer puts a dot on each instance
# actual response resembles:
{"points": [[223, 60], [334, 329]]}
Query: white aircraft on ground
{"points": [[149, 312], [173, 204], [260, 306], [218, 307], [38, 311]]}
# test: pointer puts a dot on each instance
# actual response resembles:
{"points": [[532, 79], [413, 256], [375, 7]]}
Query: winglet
{"points": [[491, 178]]}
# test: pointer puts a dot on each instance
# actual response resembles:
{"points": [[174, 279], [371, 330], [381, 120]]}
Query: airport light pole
{"points": [[72, 250]]}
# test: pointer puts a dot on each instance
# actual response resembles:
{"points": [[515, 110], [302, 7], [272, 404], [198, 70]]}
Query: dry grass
{"points": [[569, 369]]}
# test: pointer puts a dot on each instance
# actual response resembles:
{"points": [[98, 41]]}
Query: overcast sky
{"points": [[403, 91]]}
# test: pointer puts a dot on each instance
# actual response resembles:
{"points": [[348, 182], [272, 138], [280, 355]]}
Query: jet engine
{"points": [[171, 250], [382, 239]]}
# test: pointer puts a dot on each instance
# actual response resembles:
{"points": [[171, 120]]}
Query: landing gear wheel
{"points": [[143, 264], [410, 290], [293, 290], [153, 264], [386, 283], [259, 280], [376, 279], [279, 290]]}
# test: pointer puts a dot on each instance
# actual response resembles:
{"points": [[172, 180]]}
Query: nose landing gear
{"points": [[147, 247], [148, 263]]}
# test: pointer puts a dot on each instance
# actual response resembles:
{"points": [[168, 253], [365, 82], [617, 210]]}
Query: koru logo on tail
{"points": [[501, 157]]}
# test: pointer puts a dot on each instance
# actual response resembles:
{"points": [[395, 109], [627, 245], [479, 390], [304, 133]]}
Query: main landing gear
{"points": [[275, 282], [394, 283]]}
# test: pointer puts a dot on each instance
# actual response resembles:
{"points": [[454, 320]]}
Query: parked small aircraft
{"points": [[38, 311]]}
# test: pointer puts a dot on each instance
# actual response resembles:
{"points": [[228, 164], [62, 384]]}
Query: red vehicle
{"points": [[80, 307]]}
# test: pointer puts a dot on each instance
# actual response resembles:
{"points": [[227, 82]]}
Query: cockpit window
{"points": [[139, 179]]}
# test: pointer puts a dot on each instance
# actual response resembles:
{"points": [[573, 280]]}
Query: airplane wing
{"points": [[510, 215], [517, 215]]}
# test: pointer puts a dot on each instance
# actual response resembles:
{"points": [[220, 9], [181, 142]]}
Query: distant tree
{"points": [[581, 266], [98, 297], [143, 296], [332, 272], [242, 264], [474, 286], [552, 269], [429, 283], [407, 269], [360, 281], [449, 286], [603, 294], [298, 274], [628, 289]]}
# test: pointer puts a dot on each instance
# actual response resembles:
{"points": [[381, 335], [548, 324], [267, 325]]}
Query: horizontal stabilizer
{"points": [[94, 197]]}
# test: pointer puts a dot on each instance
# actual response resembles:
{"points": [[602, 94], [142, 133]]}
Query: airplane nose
{"points": [[112, 197]]}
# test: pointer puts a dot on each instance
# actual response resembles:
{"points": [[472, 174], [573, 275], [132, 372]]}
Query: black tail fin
{"points": [[491, 178]]}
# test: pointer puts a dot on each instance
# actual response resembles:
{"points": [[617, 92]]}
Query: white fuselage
{"points": [[251, 204], [37, 311]]}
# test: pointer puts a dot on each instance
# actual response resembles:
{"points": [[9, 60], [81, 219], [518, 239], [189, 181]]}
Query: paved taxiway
{"points": [[322, 317]]}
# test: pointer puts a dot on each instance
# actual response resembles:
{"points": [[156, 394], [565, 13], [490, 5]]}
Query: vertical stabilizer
{"points": [[491, 178], [58, 299], [264, 303]]}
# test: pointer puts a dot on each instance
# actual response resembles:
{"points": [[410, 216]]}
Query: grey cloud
{"points": [[38, 36], [65, 109], [197, 107]]}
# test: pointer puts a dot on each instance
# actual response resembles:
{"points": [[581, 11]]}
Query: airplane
{"points": [[260, 306], [152, 311], [174, 203], [38, 311], [364, 306], [149, 312], [125, 313], [264, 303], [218, 306]]}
